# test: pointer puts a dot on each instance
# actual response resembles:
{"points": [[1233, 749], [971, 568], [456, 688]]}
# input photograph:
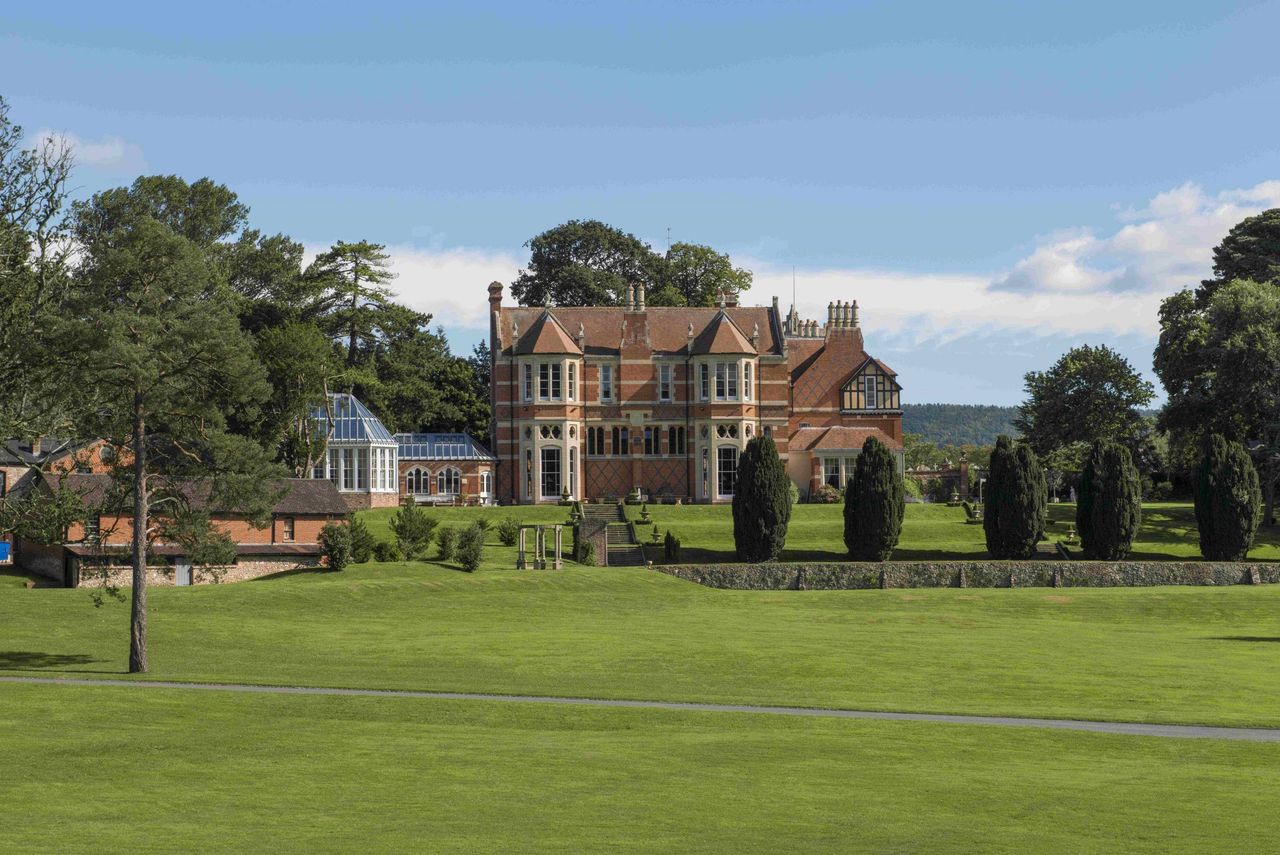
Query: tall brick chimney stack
{"points": [[495, 296]]}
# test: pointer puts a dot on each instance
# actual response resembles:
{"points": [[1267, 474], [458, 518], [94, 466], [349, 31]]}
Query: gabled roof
{"points": [[722, 336], [667, 326], [547, 335], [441, 446]]}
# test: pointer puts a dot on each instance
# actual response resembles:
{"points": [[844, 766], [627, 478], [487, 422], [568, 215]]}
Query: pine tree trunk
{"points": [[138, 612]]}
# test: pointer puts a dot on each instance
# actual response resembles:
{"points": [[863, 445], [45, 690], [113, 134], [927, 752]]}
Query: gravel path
{"points": [[1176, 731]]}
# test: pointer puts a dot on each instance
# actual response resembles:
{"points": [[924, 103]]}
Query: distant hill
{"points": [[958, 424]]}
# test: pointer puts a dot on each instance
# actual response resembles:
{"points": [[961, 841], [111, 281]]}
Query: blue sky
{"points": [[993, 182]]}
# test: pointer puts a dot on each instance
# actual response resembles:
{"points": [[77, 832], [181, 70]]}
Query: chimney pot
{"points": [[640, 297]]}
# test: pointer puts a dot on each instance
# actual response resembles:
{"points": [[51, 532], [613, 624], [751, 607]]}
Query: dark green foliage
{"points": [[413, 529], [483, 523], [508, 531], [386, 552], [1091, 393], [874, 503], [671, 548], [446, 540], [586, 553], [1228, 500], [1109, 509], [1251, 250], [470, 550], [1015, 501], [335, 541], [824, 495], [362, 541], [761, 502]]}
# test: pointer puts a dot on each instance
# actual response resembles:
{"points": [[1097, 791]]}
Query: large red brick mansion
{"points": [[593, 402]]}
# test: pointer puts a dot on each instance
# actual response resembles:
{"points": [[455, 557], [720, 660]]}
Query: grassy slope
{"points": [[1162, 654], [816, 531], [93, 770]]}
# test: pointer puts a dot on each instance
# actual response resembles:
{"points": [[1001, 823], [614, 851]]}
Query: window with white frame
{"points": [[486, 483], [726, 470], [726, 381], [704, 387], [417, 482], [746, 381], [449, 481], [527, 370], [606, 382], [664, 382], [831, 472], [549, 381], [573, 381], [872, 399]]}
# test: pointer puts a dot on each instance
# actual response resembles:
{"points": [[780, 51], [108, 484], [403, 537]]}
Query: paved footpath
{"points": [[1176, 731]]}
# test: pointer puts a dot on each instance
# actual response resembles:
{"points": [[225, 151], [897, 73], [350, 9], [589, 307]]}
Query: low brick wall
{"points": [[973, 574]]}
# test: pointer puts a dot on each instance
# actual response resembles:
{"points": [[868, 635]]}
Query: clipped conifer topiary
{"points": [[1016, 501], [761, 502], [1109, 509], [1228, 500], [874, 502]]}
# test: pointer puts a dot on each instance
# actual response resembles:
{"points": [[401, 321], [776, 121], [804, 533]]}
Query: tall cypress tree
{"points": [[1228, 500], [761, 502], [1110, 507], [1013, 518], [874, 503]]}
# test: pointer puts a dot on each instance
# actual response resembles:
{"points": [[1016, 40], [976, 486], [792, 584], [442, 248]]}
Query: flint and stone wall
{"points": [[243, 570], [974, 574]]}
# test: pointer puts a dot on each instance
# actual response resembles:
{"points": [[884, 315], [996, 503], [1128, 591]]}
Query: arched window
{"points": [[417, 482], [449, 482]]}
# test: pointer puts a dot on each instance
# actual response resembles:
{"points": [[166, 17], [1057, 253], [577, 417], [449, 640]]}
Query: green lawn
{"points": [[117, 770], [1197, 655], [929, 532]]}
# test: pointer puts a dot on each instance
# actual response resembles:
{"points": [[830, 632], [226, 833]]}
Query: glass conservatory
{"points": [[362, 453]]}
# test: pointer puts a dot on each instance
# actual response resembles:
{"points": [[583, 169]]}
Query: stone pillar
{"points": [[558, 561], [815, 474], [522, 556], [540, 550]]}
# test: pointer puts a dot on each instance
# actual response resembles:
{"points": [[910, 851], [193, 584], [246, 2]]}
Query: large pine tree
{"points": [[153, 327], [874, 503], [1228, 500], [1013, 516], [1110, 507], [761, 502]]}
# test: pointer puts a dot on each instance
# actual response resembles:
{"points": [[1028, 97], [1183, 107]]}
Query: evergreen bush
{"points": [[874, 502], [387, 552], [413, 529], [1228, 500], [671, 548], [446, 540], [1109, 506], [761, 502], [470, 549], [508, 531], [335, 545], [1016, 501], [587, 553], [362, 542]]}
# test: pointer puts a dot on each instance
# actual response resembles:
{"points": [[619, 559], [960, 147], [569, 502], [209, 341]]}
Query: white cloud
{"points": [[111, 154], [1073, 283], [1163, 247]]}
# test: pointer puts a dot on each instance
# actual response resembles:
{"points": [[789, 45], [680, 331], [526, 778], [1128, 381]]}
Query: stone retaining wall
{"points": [[973, 574], [243, 570]]}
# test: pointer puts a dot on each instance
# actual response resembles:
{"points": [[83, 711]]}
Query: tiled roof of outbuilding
{"points": [[299, 496]]}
